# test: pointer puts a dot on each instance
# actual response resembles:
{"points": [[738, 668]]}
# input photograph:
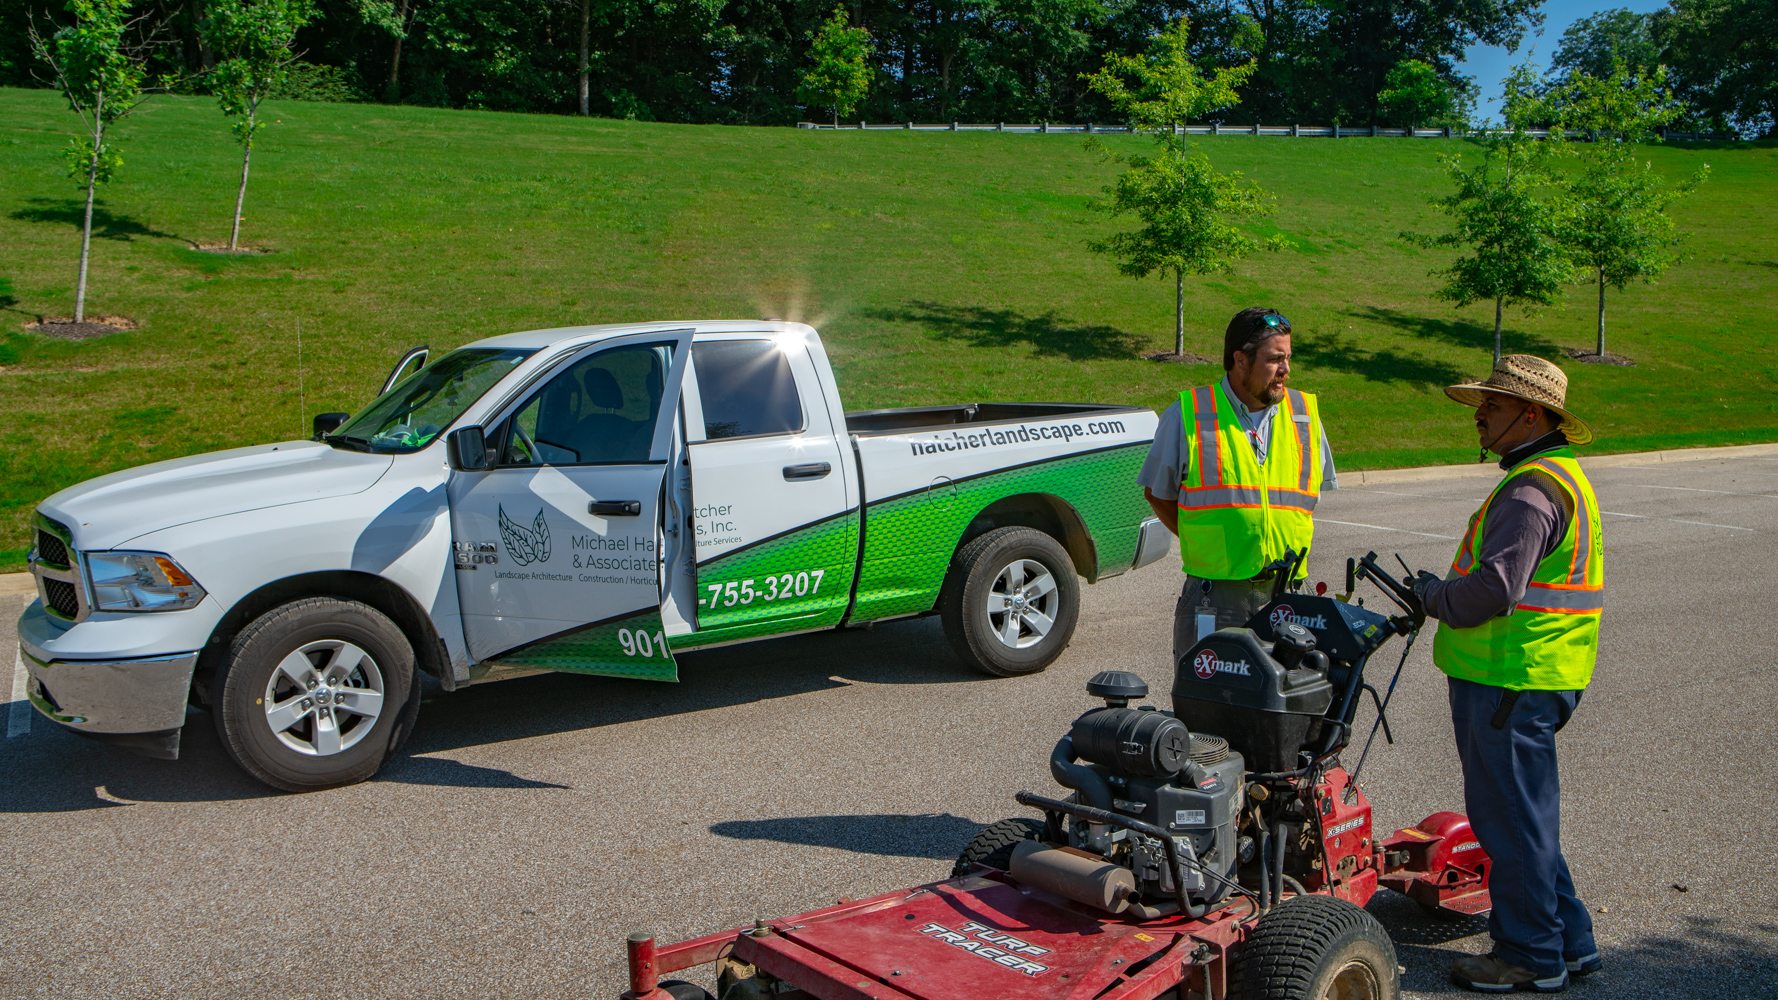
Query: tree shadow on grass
{"points": [[1333, 351], [1047, 334], [72, 212], [1458, 333]]}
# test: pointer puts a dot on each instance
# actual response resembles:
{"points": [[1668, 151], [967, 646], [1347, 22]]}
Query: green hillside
{"points": [[940, 267]]}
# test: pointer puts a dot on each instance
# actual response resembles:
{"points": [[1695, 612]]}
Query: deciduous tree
{"points": [[840, 76], [1415, 96], [1506, 213], [100, 63], [253, 39], [1184, 205], [1616, 226]]}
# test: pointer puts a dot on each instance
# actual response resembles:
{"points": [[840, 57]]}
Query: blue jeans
{"points": [[1513, 795]]}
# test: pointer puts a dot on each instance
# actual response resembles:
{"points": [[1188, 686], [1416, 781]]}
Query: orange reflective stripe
{"points": [[1583, 535], [1209, 441], [1301, 427], [1563, 599]]}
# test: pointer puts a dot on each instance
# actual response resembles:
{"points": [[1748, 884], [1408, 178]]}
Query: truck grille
{"points": [[51, 550], [61, 597]]}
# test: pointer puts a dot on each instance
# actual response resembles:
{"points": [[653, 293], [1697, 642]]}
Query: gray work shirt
{"points": [[1169, 460]]}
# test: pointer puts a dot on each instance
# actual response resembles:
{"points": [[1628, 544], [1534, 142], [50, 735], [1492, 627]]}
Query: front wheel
{"points": [[993, 844], [312, 692], [1010, 601], [1316, 948]]}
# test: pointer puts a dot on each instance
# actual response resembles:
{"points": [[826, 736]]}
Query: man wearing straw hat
{"points": [[1518, 635]]}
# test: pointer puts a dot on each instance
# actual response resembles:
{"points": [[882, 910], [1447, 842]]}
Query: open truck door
{"points": [[557, 534], [774, 493]]}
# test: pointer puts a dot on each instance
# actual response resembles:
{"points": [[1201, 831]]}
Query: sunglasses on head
{"points": [[1274, 320]]}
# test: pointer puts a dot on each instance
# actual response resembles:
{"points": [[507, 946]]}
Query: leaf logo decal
{"points": [[525, 545]]}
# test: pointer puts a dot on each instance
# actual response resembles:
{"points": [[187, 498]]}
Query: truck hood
{"points": [[107, 512]]}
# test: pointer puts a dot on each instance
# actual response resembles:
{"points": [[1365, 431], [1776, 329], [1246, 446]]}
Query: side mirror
{"points": [[410, 362], [467, 450], [327, 423]]}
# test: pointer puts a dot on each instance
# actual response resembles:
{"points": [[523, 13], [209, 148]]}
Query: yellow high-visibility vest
{"points": [[1235, 515], [1549, 641]]}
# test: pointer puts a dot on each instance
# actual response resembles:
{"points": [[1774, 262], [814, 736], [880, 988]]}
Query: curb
{"points": [[22, 583]]}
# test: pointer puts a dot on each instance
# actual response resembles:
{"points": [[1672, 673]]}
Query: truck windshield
{"points": [[409, 416]]}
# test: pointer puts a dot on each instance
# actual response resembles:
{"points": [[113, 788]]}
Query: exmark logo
{"points": [[1208, 665], [1285, 613]]}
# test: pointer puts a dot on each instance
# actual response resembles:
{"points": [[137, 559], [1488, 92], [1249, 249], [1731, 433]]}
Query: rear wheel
{"points": [[1316, 948], [1010, 601], [312, 692], [992, 845]]}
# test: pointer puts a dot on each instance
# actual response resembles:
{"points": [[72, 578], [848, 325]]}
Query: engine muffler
{"points": [[1074, 875]]}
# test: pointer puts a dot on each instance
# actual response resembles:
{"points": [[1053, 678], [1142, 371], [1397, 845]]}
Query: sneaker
{"points": [[1493, 974], [1580, 968]]}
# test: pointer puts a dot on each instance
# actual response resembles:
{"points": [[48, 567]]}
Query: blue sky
{"points": [[1489, 63]]}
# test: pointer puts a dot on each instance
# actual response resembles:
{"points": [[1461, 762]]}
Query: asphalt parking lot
{"points": [[528, 826]]}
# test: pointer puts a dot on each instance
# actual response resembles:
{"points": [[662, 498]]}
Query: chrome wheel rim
{"points": [[324, 697], [1022, 604], [1355, 981]]}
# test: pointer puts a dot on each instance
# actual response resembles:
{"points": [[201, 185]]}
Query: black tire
{"points": [[1316, 948], [992, 845], [250, 673], [972, 579], [679, 989]]}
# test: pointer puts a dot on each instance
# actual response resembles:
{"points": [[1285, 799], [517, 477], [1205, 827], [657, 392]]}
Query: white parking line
{"points": [[18, 717], [1427, 496], [1675, 520], [1694, 489], [1378, 527]]}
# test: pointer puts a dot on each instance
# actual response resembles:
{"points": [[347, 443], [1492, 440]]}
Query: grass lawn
{"points": [[940, 267]]}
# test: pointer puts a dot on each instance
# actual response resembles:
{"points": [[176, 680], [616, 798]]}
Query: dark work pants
{"points": [[1513, 796], [1234, 601]]}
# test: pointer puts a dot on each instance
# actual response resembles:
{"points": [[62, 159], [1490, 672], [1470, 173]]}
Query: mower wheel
{"points": [[679, 989], [992, 845], [1010, 601], [1316, 948]]}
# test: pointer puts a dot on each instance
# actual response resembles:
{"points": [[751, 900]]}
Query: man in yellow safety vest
{"points": [[1235, 471], [1518, 635]]}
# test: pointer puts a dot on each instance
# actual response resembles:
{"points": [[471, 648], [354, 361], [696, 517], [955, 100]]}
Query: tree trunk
{"points": [[392, 92], [1497, 302], [234, 234], [1178, 312], [86, 229], [1602, 312], [586, 17]]}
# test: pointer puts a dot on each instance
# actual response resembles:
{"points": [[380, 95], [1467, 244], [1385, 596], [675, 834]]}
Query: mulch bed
{"points": [[1608, 358], [64, 327], [1169, 358]]}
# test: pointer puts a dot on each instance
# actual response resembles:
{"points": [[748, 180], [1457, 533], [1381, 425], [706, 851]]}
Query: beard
{"points": [[1261, 389]]}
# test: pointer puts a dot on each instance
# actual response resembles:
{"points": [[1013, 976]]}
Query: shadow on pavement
{"points": [[1708, 959], [52, 770], [941, 836]]}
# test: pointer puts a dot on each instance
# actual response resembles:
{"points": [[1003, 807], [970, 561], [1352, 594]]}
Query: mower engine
{"points": [[1146, 765]]}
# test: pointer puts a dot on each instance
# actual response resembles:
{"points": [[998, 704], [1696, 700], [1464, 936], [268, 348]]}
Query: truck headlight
{"points": [[139, 581]]}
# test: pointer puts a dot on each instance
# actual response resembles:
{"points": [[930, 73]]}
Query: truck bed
{"points": [[870, 422]]}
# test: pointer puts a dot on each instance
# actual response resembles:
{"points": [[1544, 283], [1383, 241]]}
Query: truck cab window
{"points": [[601, 410], [746, 388]]}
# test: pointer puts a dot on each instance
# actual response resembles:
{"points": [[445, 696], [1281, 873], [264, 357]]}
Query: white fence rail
{"points": [[1293, 131]]}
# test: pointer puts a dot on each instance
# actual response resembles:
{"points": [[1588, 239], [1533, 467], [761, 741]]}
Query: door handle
{"points": [[810, 470], [615, 508]]}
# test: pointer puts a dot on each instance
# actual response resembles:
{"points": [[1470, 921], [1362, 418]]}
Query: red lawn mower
{"points": [[1182, 865]]}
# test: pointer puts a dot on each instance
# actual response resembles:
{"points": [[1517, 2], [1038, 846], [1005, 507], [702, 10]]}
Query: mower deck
{"points": [[985, 935]]}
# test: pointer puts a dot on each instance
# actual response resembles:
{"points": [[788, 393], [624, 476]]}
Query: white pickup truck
{"points": [[593, 499]]}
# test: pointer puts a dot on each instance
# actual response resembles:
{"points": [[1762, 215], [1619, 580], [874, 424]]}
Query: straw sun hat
{"points": [[1533, 380]]}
